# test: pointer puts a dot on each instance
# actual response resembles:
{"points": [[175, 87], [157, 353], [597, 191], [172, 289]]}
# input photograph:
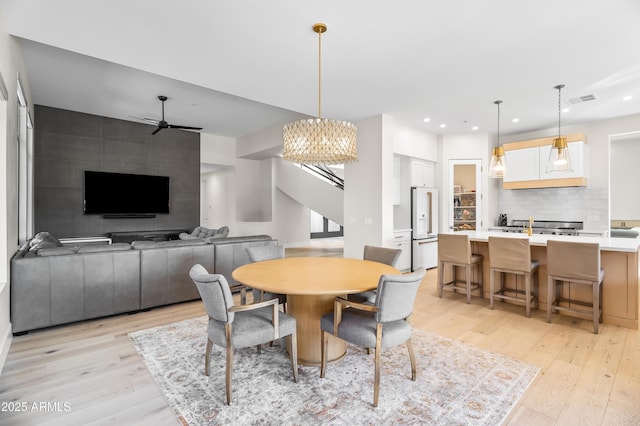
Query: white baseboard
{"points": [[5, 344]]}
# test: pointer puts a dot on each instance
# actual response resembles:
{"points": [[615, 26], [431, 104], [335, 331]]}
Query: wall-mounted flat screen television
{"points": [[124, 194]]}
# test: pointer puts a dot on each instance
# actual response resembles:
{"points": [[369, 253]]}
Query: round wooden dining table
{"points": [[311, 285]]}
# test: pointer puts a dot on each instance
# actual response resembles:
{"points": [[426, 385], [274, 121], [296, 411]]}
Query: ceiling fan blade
{"points": [[175, 126], [147, 120], [156, 130]]}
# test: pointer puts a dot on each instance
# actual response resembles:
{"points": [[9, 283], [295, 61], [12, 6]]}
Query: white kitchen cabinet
{"points": [[402, 241], [423, 173], [522, 164], [527, 164]]}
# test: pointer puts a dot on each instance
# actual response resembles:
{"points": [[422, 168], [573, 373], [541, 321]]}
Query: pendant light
{"points": [[320, 140], [559, 155], [497, 169]]}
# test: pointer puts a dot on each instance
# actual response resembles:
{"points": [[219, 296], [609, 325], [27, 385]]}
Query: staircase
{"points": [[315, 187]]}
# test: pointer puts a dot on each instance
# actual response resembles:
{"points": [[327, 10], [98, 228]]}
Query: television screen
{"points": [[121, 193]]}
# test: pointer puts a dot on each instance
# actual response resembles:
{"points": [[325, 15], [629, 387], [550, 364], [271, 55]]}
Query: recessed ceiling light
{"points": [[627, 98], [474, 128], [442, 126], [515, 120], [566, 109], [426, 120]]}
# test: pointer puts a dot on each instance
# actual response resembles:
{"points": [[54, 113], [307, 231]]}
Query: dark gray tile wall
{"points": [[66, 143]]}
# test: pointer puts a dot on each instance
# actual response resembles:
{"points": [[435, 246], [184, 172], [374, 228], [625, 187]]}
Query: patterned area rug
{"points": [[456, 383]]}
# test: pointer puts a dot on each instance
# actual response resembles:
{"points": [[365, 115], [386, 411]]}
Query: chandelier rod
{"points": [[319, 28]]}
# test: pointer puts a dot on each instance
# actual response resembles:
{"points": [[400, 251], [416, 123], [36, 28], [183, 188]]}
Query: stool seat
{"points": [[574, 263], [513, 256], [455, 250]]}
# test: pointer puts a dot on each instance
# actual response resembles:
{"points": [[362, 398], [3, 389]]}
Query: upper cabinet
{"points": [[527, 164], [423, 173]]}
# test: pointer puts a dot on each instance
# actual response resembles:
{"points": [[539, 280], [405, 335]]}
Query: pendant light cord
{"points": [[559, 87]]}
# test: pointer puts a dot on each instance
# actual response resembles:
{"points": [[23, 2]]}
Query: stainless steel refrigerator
{"points": [[424, 227]]}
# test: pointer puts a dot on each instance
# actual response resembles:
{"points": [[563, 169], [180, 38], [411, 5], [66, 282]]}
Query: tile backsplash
{"points": [[587, 204]]}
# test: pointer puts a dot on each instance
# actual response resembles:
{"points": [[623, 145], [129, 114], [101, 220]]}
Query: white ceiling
{"points": [[234, 67]]}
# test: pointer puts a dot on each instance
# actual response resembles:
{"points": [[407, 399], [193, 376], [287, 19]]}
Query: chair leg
{"points": [[376, 383], [440, 278], [536, 287], [480, 280], [293, 339], [228, 372], [596, 307], [492, 286], [527, 294], [229, 367], [551, 297], [412, 358], [468, 269], [324, 341], [207, 357]]}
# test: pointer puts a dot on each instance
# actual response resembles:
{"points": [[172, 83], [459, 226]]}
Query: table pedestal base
{"points": [[307, 310]]}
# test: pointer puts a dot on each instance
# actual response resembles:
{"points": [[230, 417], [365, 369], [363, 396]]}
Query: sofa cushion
{"points": [[44, 240], [56, 251], [171, 243], [98, 248]]}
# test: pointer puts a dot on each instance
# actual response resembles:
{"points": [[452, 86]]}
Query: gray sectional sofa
{"points": [[59, 285]]}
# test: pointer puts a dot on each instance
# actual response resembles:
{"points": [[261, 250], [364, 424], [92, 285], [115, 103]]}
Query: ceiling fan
{"points": [[162, 124]]}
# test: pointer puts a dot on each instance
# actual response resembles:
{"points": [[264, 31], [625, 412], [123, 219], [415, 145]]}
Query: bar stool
{"points": [[574, 263], [455, 250], [513, 256]]}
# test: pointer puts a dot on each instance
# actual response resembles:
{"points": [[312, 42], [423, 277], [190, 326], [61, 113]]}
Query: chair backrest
{"points": [[215, 293], [384, 255], [454, 248], [579, 261], [396, 295], [510, 253], [260, 253]]}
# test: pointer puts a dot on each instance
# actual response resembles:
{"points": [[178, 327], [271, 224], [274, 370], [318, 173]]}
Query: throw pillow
{"points": [[44, 240]]}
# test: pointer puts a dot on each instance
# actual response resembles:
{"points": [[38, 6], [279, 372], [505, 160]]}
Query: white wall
{"points": [[368, 191], [11, 63], [284, 218]]}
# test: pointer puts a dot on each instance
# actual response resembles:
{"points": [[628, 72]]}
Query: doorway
{"points": [[465, 195], [624, 151]]}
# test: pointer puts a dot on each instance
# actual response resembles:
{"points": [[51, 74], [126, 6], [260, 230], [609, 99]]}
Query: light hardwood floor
{"points": [[90, 373]]}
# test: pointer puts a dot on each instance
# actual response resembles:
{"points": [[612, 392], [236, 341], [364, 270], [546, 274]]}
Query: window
{"points": [[25, 168]]}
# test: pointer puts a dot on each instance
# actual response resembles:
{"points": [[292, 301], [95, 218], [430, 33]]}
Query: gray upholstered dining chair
{"points": [[388, 256], [382, 325], [241, 326], [259, 254]]}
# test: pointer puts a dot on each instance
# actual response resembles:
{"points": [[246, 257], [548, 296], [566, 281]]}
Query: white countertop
{"points": [[606, 243]]}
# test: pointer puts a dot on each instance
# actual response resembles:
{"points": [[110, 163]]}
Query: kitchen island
{"points": [[619, 259]]}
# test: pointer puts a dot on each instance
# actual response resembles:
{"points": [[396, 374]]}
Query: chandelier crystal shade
{"points": [[320, 140], [559, 155], [498, 167]]}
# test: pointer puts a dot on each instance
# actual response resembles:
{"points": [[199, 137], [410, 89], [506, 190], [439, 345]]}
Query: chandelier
{"points": [[320, 140], [497, 169], [559, 155]]}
